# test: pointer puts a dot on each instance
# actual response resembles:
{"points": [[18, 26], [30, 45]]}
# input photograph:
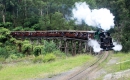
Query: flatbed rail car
{"points": [[84, 35]]}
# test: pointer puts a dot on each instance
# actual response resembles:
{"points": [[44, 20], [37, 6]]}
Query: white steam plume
{"points": [[118, 47], [95, 45], [101, 18]]}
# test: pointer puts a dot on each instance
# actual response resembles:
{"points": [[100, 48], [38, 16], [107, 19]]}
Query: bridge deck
{"points": [[68, 34]]}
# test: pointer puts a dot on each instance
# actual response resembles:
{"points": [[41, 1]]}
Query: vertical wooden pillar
{"points": [[85, 46], [73, 47], [80, 47], [32, 42], [60, 45], [57, 43], [37, 42], [66, 47]]}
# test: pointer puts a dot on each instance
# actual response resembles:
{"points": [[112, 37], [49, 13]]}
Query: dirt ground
{"points": [[80, 73], [97, 74]]}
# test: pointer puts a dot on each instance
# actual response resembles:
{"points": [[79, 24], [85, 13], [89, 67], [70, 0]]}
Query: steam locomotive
{"points": [[104, 40]]}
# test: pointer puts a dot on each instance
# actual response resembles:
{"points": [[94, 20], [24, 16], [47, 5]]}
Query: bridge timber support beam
{"points": [[68, 46]]}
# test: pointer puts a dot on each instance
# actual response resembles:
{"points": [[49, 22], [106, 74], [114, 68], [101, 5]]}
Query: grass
{"points": [[123, 63], [119, 66], [123, 60], [22, 71], [113, 67]]}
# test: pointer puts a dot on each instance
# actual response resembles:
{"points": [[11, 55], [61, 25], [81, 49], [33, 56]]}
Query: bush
{"points": [[4, 34], [38, 59], [28, 29], [27, 47], [19, 44], [49, 57], [20, 55], [49, 47], [3, 52], [13, 56], [37, 50], [59, 54], [18, 28], [2, 59]]}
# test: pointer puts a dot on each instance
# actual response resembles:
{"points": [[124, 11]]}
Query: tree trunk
{"points": [[3, 16], [41, 13], [25, 9]]}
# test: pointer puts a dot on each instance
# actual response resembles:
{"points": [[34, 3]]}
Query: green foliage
{"points": [[38, 59], [49, 47], [6, 25], [126, 38], [27, 47], [3, 52], [37, 50], [58, 21], [49, 57], [1, 44], [38, 14], [13, 56], [19, 43], [4, 34], [20, 55], [12, 40], [18, 28], [28, 29], [9, 48], [36, 27], [59, 54], [2, 59]]}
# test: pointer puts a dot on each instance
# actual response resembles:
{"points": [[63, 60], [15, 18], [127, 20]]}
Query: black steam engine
{"points": [[104, 40]]}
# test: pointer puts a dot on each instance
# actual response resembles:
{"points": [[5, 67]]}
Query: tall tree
{"points": [[2, 9]]}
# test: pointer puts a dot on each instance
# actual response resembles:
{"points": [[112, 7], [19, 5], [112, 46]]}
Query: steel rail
{"points": [[90, 68]]}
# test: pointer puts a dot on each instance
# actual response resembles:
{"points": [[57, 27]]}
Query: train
{"points": [[103, 38]]}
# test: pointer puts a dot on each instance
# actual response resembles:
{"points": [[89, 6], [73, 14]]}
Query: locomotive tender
{"points": [[103, 38]]}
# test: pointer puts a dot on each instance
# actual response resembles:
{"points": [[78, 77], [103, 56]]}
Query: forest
{"points": [[38, 15]]}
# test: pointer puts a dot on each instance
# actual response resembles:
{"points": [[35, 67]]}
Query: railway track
{"points": [[85, 72]]}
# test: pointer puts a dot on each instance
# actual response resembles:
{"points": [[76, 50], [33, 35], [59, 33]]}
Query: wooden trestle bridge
{"points": [[69, 41]]}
